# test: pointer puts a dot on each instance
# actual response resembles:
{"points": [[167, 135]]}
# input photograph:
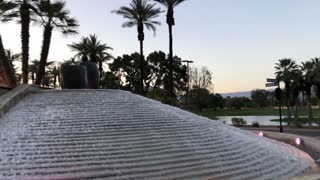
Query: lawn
{"points": [[299, 120], [253, 112]]}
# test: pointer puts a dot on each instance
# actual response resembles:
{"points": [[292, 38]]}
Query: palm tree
{"points": [[33, 69], [71, 61], [25, 10], [53, 15], [170, 5], [285, 73], [307, 69], [81, 49], [54, 74], [12, 57], [316, 76], [91, 48], [141, 14], [6, 14]]}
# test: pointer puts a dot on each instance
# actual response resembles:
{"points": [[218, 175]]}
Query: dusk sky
{"points": [[238, 40]]}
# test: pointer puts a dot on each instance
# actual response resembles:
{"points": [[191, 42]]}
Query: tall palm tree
{"points": [[53, 15], [25, 10], [285, 70], [316, 76], [141, 14], [307, 69], [170, 5]]}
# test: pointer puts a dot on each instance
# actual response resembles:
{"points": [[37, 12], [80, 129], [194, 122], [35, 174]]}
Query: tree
{"points": [[156, 77], [12, 57], [54, 74], [33, 69], [201, 83], [90, 48], [26, 9], [170, 5], [260, 97], [6, 15], [316, 76], [201, 78], [285, 69], [297, 88], [199, 98], [216, 101], [141, 14], [127, 69], [53, 15], [110, 81], [307, 69], [160, 72]]}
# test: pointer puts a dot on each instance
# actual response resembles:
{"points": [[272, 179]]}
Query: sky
{"points": [[238, 40]]}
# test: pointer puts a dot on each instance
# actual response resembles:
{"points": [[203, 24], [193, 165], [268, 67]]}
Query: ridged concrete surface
{"points": [[117, 135]]}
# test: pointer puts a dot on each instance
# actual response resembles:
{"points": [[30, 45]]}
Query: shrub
{"points": [[255, 124], [238, 122]]}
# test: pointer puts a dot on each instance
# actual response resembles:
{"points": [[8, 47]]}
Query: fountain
{"points": [[111, 134]]}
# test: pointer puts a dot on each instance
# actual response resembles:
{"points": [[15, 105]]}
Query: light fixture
{"points": [[260, 134], [298, 141]]}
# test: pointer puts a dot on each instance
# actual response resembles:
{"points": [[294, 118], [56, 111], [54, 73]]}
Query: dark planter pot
{"points": [[92, 74], [73, 77]]}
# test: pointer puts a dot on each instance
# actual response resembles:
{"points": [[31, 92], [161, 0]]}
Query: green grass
{"points": [[210, 113], [299, 120]]}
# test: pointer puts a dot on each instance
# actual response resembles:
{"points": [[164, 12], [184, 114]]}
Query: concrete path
{"points": [[315, 133]]}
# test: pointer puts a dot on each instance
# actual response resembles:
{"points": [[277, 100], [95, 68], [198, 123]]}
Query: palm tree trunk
{"points": [[309, 104], [54, 81], [141, 68], [296, 114], [25, 35], [309, 108], [100, 70], [171, 60], [32, 76], [44, 53]]}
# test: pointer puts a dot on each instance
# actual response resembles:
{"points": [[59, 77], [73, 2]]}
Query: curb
{"points": [[11, 98]]}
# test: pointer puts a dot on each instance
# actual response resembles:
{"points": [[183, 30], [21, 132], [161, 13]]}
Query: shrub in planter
{"points": [[73, 77], [92, 74], [255, 124], [238, 122]]}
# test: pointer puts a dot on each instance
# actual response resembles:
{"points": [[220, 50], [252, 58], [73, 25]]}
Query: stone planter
{"points": [[92, 74], [73, 77]]}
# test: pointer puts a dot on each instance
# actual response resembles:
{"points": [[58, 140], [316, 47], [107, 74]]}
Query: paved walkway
{"points": [[118, 135], [314, 133]]}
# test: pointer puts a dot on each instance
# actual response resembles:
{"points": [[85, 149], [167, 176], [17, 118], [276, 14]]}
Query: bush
{"points": [[298, 124], [238, 122], [255, 124]]}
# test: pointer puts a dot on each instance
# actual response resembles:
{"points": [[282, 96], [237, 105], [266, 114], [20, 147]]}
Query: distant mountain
{"points": [[240, 94], [237, 94]]}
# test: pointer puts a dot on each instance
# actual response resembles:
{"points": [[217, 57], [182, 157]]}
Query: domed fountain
{"points": [[110, 134]]}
